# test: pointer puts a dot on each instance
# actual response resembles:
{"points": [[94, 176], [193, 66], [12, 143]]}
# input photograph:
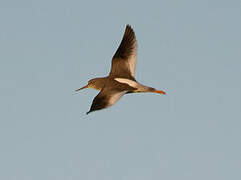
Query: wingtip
{"points": [[128, 26], [88, 112]]}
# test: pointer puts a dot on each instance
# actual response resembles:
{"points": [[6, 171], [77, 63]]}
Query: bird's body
{"points": [[121, 79]]}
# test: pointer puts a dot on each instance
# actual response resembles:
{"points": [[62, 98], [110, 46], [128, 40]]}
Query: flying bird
{"points": [[121, 79]]}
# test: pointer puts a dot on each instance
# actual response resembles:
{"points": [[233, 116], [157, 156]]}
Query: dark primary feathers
{"points": [[124, 60], [108, 96], [99, 102], [127, 45]]}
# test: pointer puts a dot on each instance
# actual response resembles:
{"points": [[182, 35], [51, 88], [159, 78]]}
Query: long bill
{"points": [[82, 88]]}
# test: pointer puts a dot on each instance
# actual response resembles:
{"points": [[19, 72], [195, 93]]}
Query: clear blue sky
{"points": [[190, 49]]}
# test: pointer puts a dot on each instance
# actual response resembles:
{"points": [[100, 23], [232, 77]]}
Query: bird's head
{"points": [[91, 84]]}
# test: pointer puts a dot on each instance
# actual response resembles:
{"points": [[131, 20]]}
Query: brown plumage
{"points": [[121, 79], [124, 61]]}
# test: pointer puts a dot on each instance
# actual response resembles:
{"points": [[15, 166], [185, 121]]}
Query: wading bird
{"points": [[121, 79]]}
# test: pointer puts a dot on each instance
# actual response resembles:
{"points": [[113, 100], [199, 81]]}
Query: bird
{"points": [[121, 79]]}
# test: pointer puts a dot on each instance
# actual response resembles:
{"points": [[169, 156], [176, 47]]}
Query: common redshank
{"points": [[121, 79]]}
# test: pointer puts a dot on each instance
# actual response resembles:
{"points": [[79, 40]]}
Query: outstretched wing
{"points": [[106, 98], [124, 61]]}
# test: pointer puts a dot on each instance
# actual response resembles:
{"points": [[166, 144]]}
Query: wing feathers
{"points": [[105, 98], [109, 95], [128, 44], [124, 61]]}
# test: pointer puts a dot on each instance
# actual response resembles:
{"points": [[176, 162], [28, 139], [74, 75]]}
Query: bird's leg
{"points": [[159, 91], [156, 91]]}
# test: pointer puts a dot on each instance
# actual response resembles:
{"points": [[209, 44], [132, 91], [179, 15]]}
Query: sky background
{"points": [[190, 49]]}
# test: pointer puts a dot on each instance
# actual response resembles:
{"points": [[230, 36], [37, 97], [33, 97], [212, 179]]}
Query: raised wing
{"points": [[124, 61], [106, 98]]}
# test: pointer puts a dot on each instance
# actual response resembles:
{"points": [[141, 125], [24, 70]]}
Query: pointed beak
{"points": [[159, 91], [82, 88]]}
